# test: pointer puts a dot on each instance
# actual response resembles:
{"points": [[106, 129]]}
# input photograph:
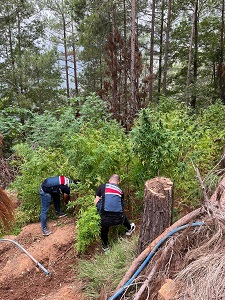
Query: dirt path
{"points": [[20, 279]]}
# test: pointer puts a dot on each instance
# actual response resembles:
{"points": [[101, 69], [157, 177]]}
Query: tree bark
{"points": [[66, 57], [167, 47], [154, 270], [221, 54], [125, 97], [161, 49], [157, 211], [74, 61], [152, 52], [190, 52], [195, 63], [217, 199], [132, 71]]}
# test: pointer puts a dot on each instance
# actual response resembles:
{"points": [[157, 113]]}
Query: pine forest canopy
{"points": [[130, 53]]}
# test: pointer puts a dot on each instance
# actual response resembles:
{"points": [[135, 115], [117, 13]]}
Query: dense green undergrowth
{"points": [[167, 140]]}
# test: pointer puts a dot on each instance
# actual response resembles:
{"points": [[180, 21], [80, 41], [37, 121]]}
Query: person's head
{"points": [[114, 179]]}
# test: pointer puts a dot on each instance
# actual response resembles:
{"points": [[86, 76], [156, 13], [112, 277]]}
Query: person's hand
{"points": [[66, 198], [97, 198]]}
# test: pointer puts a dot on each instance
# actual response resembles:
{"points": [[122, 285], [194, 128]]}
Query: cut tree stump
{"points": [[157, 210]]}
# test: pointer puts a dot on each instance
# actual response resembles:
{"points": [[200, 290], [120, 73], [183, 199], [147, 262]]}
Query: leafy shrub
{"points": [[88, 228], [12, 126], [35, 166], [167, 141], [93, 110], [98, 153], [153, 145]]}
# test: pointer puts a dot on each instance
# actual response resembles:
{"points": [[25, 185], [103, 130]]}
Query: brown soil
{"points": [[20, 277]]}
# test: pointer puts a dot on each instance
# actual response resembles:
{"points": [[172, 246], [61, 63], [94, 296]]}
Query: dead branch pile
{"points": [[194, 215], [193, 258], [7, 172], [202, 276]]}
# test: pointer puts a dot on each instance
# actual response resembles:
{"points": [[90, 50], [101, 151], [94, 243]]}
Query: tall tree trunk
{"points": [[125, 58], [132, 71], [11, 53], [74, 61], [221, 75], [195, 64], [19, 50], [66, 58], [190, 53], [152, 52], [116, 108], [167, 47], [161, 48]]}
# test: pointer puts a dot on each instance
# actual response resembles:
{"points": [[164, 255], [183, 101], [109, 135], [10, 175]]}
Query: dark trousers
{"points": [[56, 201], [110, 219]]}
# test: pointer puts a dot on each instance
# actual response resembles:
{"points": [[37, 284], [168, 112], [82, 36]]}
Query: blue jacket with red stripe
{"points": [[112, 198], [57, 184]]}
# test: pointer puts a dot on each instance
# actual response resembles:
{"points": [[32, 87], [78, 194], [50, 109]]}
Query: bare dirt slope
{"points": [[21, 279]]}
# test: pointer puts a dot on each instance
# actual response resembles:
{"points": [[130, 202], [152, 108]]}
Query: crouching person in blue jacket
{"points": [[109, 200], [50, 189]]}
